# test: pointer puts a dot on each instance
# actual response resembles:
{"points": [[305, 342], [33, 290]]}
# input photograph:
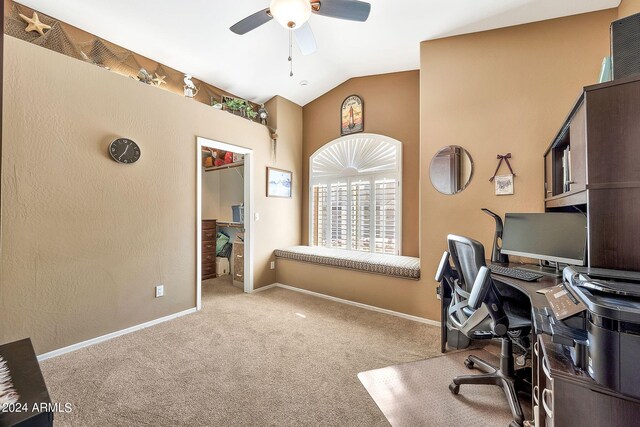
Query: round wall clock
{"points": [[124, 150]]}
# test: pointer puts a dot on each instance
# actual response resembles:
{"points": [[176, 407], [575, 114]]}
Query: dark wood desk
{"points": [[572, 397], [29, 384]]}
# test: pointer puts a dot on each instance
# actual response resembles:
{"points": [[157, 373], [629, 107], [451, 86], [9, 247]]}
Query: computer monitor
{"points": [[556, 237]]}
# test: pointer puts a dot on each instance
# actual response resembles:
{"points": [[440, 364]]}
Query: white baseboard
{"points": [[107, 337], [264, 288], [356, 304]]}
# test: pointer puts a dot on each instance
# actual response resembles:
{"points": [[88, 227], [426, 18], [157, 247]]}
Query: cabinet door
{"points": [[548, 175], [538, 383], [613, 225], [545, 390], [614, 135], [578, 141]]}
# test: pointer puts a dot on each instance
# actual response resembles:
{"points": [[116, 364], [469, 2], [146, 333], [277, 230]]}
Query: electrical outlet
{"points": [[159, 291], [273, 265]]}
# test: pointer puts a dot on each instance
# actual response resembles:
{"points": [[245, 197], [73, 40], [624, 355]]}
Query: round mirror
{"points": [[451, 169]]}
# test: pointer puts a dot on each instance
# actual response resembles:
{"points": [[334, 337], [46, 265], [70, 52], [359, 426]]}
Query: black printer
{"points": [[604, 339]]}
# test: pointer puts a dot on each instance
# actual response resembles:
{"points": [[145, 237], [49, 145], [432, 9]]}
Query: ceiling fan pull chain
{"points": [[291, 53]]}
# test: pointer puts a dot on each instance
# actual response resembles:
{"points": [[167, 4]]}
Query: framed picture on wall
{"points": [[278, 183], [504, 185], [352, 115]]}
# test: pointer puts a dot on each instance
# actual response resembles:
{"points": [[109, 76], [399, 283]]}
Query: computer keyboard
{"points": [[515, 273]]}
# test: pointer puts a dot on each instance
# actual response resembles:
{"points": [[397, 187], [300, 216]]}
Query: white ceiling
{"points": [[193, 36]]}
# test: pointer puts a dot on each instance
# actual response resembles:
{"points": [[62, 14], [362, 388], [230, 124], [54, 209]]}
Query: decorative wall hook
{"points": [[506, 158]]}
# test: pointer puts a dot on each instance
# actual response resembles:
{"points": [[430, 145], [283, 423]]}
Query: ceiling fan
{"points": [[294, 14]]}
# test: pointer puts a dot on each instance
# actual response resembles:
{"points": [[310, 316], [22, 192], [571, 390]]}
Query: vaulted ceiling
{"points": [[193, 36]]}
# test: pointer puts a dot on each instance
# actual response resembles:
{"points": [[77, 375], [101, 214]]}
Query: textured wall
{"points": [[391, 107], [628, 7], [85, 239], [222, 189], [499, 91]]}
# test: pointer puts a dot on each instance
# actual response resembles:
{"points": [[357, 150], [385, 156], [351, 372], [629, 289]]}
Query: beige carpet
{"points": [[276, 357], [417, 394]]}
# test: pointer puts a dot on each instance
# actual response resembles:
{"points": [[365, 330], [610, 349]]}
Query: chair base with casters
{"points": [[503, 376]]}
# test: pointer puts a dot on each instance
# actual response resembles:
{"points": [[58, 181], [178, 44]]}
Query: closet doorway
{"points": [[224, 209]]}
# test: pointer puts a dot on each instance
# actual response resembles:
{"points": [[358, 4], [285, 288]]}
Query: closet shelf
{"points": [[230, 224], [227, 166]]}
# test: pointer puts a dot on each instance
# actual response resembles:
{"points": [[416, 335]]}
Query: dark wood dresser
{"points": [[208, 248]]}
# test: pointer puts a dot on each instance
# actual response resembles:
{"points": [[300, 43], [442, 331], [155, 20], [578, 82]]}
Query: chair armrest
{"points": [[480, 288], [484, 292], [442, 267]]}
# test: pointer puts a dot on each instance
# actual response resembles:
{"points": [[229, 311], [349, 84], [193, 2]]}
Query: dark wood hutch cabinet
{"points": [[593, 165]]}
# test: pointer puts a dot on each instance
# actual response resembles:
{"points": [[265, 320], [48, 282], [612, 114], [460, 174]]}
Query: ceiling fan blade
{"points": [[351, 10], [252, 22], [305, 39]]}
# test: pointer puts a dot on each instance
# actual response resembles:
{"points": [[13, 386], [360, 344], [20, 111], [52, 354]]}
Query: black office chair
{"points": [[479, 311]]}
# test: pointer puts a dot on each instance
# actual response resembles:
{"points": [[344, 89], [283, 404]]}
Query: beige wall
{"points": [[495, 92], [499, 91], [628, 7], [391, 107], [358, 286], [85, 239]]}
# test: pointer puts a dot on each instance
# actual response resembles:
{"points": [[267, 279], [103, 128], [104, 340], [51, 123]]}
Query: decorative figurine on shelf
{"points": [[190, 89], [34, 24], [263, 114], [144, 76], [159, 80]]}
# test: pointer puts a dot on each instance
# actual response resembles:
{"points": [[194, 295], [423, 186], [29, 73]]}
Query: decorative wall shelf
{"points": [[76, 43]]}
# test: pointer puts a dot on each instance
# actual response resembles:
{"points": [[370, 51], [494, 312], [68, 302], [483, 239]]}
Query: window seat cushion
{"points": [[390, 265]]}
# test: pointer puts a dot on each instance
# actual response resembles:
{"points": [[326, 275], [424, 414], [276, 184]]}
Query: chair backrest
{"points": [[467, 311], [468, 257]]}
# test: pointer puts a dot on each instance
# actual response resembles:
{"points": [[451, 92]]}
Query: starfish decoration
{"points": [[35, 24], [159, 80]]}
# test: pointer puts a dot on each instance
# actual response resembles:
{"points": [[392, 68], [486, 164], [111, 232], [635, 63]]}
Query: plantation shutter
{"points": [[339, 215], [355, 194], [361, 215], [385, 216], [319, 215]]}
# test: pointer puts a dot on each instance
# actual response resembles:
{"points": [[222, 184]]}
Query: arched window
{"points": [[355, 195]]}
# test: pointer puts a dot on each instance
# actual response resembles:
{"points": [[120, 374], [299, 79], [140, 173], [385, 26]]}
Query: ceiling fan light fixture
{"points": [[290, 13]]}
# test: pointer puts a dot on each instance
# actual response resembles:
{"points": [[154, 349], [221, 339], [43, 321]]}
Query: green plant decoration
{"points": [[249, 110], [234, 104], [244, 108]]}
